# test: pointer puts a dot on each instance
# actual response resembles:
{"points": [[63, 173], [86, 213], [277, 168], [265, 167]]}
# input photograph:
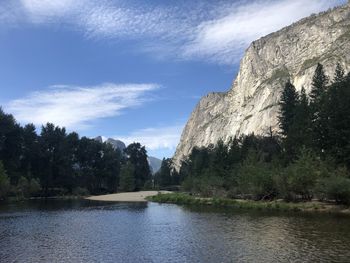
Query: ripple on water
{"points": [[95, 232]]}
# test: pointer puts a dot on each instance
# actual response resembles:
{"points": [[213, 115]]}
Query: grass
{"points": [[186, 199]]}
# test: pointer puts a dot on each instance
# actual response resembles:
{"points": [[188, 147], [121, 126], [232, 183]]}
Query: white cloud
{"points": [[76, 107], [224, 38], [218, 31], [164, 137]]}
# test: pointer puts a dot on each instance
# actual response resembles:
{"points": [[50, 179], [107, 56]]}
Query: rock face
{"points": [[99, 139], [251, 104], [154, 164], [116, 144]]}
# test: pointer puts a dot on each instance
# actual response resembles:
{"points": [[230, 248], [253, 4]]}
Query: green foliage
{"points": [[4, 182], [319, 84], [127, 178], [288, 104], [137, 156], [220, 170], [58, 163], [339, 75], [164, 176], [80, 191], [256, 178], [301, 176], [318, 100], [27, 188], [335, 187]]}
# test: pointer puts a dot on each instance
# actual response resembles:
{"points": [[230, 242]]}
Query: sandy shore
{"points": [[126, 197]]}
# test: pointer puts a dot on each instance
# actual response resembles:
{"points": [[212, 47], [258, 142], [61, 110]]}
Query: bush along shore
{"points": [[276, 205]]}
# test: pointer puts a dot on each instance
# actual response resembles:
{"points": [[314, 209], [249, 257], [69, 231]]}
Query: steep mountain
{"points": [[251, 104], [154, 163], [99, 139], [116, 144]]}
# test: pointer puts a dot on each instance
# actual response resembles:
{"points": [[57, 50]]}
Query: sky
{"points": [[128, 69]]}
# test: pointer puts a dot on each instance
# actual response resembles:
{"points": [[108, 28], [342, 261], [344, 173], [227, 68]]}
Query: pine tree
{"points": [[319, 84], [127, 179], [4, 182], [337, 111], [137, 155], [318, 102], [163, 176], [302, 128], [339, 75], [288, 104]]}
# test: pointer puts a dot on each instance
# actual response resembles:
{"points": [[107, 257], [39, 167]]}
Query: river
{"points": [[87, 231]]}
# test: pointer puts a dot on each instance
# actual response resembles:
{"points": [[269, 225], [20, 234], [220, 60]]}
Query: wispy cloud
{"points": [[223, 39], [77, 107], [217, 31], [155, 138]]}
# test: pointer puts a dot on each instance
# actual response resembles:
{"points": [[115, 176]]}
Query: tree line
{"points": [[55, 163], [309, 158]]}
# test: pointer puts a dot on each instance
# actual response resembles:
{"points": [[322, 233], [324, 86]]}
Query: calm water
{"points": [[82, 231]]}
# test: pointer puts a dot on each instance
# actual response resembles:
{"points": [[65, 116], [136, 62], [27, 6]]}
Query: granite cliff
{"points": [[251, 104]]}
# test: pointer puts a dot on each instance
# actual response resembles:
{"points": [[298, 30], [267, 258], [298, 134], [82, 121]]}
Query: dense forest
{"points": [[56, 163], [309, 158]]}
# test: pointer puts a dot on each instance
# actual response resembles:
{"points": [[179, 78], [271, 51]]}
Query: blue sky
{"points": [[128, 69]]}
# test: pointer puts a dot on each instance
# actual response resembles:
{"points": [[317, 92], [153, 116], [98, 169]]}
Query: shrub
{"points": [[335, 187], [27, 188], [80, 191], [4, 182], [256, 179], [299, 179]]}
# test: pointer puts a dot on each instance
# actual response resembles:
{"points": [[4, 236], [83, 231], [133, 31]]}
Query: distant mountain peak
{"points": [[116, 144], [153, 162]]}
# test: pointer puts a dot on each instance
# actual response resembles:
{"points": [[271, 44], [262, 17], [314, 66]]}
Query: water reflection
{"points": [[85, 231]]}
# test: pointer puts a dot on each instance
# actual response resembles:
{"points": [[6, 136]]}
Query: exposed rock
{"points": [[116, 144], [99, 139], [251, 104], [154, 164]]}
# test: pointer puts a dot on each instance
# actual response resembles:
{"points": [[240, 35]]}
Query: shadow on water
{"points": [[66, 204]]}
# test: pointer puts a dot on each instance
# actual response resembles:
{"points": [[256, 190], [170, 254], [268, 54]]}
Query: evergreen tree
{"points": [[288, 104], [318, 86], [10, 145], [137, 156], [287, 119], [318, 114], [300, 134], [337, 111], [164, 176], [127, 179], [30, 151], [4, 182], [219, 160], [339, 75], [52, 139]]}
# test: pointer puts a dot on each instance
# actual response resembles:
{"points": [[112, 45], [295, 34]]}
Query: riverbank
{"points": [[127, 197], [278, 205]]}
